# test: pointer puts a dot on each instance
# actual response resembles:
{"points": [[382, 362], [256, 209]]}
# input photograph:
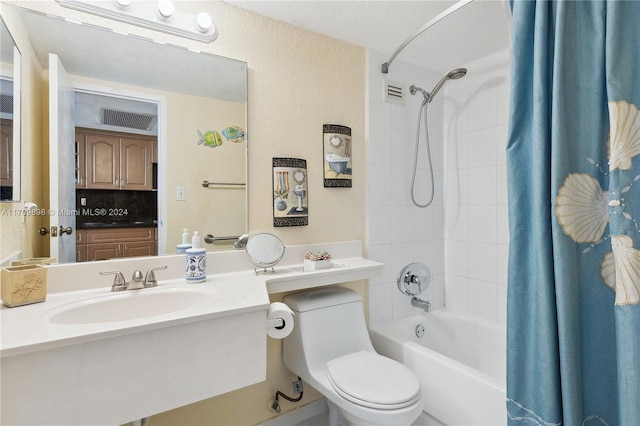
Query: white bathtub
{"points": [[460, 363]]}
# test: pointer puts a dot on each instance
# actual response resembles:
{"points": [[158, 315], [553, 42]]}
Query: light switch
{"points": [[181, 193]]}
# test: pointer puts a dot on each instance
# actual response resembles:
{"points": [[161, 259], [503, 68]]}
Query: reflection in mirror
{"points": [[152, 121], [9, 116]]}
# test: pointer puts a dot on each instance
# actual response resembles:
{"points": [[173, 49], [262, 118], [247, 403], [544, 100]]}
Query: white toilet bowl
{"points": [[330, 349]]}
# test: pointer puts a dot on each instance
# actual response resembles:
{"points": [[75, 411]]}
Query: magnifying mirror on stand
{"points": [[264, 251]]}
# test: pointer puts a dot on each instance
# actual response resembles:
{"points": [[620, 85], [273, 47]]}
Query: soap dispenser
{"points": [[182, 247], [196, 271]]}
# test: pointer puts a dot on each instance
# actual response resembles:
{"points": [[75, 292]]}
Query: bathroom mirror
{"points": [[200, 97], [264, 251], [10, 108]]}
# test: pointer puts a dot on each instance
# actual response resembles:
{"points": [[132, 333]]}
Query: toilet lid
{"points": [[372, 380]]}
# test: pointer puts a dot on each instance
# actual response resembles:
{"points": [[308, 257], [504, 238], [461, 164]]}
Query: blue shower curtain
{"points": [[573, 314]]}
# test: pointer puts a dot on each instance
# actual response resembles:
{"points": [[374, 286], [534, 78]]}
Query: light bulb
{"points": [[166, 8], [204, 22]]}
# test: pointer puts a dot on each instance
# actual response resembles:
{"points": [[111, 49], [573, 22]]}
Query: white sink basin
{"points": [[129, 305]]}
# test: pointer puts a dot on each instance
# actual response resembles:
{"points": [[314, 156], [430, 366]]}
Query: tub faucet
{"points": [[422, 304]]}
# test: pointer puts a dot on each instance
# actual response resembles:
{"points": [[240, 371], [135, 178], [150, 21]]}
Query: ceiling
{"points": [[383, 26]]}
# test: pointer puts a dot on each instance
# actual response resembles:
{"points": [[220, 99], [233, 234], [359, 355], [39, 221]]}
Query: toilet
{"points": [[330, 349]]}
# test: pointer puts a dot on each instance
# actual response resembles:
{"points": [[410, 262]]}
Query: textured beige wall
{"points": [[297, 82], [219, 211]]}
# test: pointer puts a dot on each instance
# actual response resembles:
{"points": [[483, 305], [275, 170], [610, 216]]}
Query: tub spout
{"points": [[422, 304]]}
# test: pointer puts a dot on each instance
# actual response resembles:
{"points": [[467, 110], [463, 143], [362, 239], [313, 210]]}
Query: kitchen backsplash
{"points": [[99, 205]]}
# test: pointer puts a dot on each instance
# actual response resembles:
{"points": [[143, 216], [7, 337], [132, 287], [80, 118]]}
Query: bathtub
{"points": [[460, 363]]}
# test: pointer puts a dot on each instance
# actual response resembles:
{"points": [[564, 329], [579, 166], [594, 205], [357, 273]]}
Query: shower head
{"points": [[457, 73], [451, 75]]}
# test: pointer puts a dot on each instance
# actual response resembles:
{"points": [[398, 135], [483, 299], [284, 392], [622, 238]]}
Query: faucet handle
{"points": [[150, 278], [119, 284]]}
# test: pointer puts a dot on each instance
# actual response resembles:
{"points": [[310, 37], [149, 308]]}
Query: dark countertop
{"points": [[117, 224]]}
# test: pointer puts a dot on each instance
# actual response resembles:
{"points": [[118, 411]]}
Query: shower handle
{"points": [[414, 279]]}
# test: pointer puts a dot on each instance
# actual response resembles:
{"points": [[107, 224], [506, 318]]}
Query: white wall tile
{"points": [[502, 304], [422, 224], [380, 305], [502, 221], [482, 224], [483, 299], [456, 292], [457, 222], [483, 262], [379, 184], [456, 258], [502, 253], [401, 224], [379, 224], [381, 253], [482, 185], [482, 147], [380, 144], [401, 147], [501, 184]]}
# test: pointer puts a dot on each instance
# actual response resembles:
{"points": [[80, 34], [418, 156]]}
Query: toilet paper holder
{"points": [[275, 323]]}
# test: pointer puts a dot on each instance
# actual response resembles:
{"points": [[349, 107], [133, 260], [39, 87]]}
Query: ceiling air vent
{"points": [[6, 103], [130, 120], [393, 93]]}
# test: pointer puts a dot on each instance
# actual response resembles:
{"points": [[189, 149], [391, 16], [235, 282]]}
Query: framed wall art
{"points": [[290, 195], [337, 156]]}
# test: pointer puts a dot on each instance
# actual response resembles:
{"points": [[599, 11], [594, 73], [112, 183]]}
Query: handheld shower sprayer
{"points": [[451, 75], [428, 97]]}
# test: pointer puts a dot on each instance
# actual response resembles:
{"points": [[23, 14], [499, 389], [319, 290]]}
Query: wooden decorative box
{"points": [[34, 261], [22, 285]]}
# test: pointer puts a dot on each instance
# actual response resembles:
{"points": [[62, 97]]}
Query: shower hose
{"points": [[424, 107]]}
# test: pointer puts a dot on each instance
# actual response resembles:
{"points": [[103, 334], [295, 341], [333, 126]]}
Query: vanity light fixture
{"points": [[156, 15]]}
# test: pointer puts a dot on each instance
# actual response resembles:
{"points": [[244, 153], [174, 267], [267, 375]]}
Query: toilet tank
{"points": [[329, 323]]}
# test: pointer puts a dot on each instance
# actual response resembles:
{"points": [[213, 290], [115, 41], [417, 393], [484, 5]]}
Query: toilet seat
{"points": [[373, 381]]}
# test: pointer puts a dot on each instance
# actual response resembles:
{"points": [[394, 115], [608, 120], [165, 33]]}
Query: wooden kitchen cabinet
{"points": [[81, 245], [135, 164], [117, 160], [114, 243]]}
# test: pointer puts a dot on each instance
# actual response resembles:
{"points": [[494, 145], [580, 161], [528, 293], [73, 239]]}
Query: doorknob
{"points": [[44, 231], [68, 230]]}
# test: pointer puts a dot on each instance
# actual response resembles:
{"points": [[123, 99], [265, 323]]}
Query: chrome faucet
{"points": [[422, 304], [137, 281], [241, 242]]}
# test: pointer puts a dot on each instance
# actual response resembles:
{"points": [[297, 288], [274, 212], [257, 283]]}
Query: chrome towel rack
{"points": [[210, 239], [207, 184]]}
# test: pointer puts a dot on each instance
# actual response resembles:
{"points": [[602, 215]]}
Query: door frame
{"points": [[161, 104]]}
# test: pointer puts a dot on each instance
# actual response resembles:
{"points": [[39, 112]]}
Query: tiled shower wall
{"points": [[463, 236]]}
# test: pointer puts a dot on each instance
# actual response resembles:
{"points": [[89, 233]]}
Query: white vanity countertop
{"points": [[33, 327], [30, 328]]}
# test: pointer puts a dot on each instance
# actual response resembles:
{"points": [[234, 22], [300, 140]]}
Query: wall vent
{"points": [[130, 120], [393, 92], [6, 103]]}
